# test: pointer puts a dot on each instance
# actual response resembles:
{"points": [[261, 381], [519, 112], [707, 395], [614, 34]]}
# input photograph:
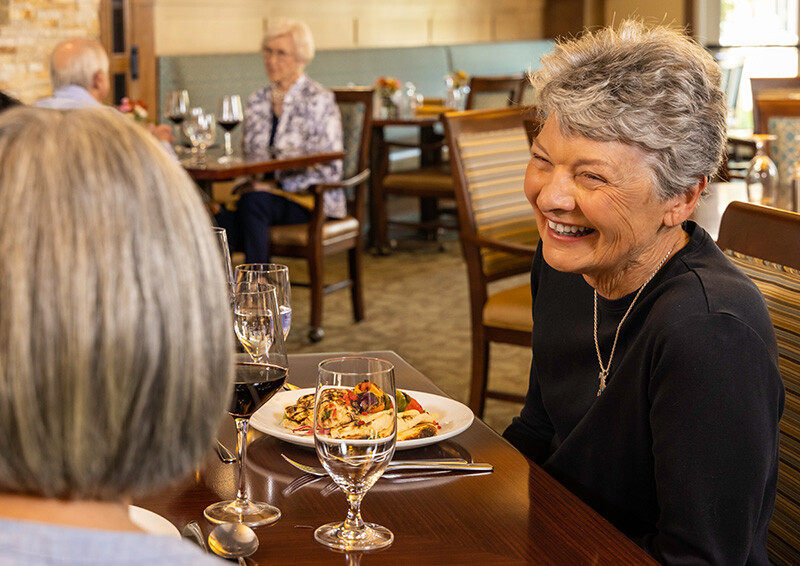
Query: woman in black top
{"points": [[654, 390]]}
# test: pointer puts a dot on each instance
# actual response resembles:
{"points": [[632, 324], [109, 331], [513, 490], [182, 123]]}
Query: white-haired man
{"points": [[79, 73]]}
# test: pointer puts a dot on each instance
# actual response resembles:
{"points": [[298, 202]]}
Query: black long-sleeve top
{"points": [[680, 451]]}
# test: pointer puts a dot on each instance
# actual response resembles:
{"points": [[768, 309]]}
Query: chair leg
{"points": [[382, 222], [317, 283], [356, 287], [480, 372]]}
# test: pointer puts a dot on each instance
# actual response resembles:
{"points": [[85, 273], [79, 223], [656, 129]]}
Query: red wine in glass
{"points": [[255, 385], [228, 125]]}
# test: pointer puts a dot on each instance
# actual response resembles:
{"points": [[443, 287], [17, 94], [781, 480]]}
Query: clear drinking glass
{"points": [[221, 237], [229, 115], [355, 456], [762, 174], [177, 106], [274, 274], [256, 382], [199, 127]]}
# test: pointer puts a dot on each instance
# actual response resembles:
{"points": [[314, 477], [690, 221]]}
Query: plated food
{"points": [[362, 412], [452, 417]]}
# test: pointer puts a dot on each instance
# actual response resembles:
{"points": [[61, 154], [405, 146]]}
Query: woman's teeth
{"points": [[569, 230]]}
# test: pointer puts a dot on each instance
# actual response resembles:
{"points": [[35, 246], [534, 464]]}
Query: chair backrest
{"points": [[489, 153], [495, 91], [761, 85], [781, 117], [355, 106], [765, 243]]}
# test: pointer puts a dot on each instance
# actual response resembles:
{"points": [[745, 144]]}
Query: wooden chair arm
{"points": [[353, 181], [504, 246]]}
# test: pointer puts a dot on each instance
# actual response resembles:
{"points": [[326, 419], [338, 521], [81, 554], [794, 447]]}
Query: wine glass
{"points": [[229, 114], [274, 274], [200, 129], [256, 382], [177, 106], [221, 237], [762, 174], [355, 459]]}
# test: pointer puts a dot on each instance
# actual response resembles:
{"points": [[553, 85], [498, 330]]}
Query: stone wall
{"points": [[28, 32]]}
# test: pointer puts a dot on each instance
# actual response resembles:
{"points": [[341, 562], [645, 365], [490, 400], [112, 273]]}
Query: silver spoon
{"points": [[232, 541]]}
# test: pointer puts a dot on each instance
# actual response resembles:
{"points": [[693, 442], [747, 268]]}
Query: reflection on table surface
{"points": [[514, 515]]}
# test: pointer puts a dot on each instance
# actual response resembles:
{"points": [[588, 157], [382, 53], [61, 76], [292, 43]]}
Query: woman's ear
{"points": [[683, 205]]}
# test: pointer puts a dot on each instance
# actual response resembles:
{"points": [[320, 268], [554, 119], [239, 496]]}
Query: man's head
{"points": [[81, 62]]}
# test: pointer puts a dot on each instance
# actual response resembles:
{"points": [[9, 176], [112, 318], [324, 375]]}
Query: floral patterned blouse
{"points": [[309, 123]]}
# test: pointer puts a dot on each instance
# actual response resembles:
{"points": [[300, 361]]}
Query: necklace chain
{"points": [[604, 371]]}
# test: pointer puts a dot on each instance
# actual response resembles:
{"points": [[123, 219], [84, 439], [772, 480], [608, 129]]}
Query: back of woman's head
{"points": [[652, 87], [115, 333]]}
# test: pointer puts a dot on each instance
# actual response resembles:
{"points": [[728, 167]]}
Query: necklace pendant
{"points": [[602, 377]]}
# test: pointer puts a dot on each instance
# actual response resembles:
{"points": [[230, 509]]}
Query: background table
{"points": [[516, 515]]}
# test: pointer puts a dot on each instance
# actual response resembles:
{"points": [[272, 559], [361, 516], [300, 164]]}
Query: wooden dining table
{"points": [[517, 514], [211, 171]]}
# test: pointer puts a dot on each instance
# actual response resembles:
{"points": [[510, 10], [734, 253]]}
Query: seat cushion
{"points": [[434, 180], [511, 308], [297, 234]]}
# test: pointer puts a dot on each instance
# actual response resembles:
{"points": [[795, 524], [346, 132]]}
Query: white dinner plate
{"points": [[453, 418], [151, 522]]}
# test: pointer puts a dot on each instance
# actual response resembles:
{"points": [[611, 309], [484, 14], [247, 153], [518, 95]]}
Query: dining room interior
{"points": [[401, 253]]}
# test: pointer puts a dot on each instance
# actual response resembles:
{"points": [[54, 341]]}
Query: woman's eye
{"points": [[593, 178], [539, 158]]}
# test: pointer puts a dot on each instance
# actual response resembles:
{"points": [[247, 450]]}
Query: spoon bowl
{"points": [[232, 540]]}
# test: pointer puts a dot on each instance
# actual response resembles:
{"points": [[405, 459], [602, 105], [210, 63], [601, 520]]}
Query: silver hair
{"points": [[115, 332], [650, 87], [300, 33], [76, 62]]}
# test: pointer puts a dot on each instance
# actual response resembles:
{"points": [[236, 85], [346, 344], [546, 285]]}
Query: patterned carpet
{"points": [[416, 303]]}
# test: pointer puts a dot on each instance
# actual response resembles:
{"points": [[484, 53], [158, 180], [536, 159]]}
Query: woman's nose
{"points": [[556, 191]]}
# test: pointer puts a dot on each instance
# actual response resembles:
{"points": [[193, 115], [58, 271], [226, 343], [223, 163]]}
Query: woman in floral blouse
{"points": [[291, 115]]}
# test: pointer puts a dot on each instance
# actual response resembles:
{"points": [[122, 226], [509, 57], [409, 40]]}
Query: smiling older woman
{"points": [[654, 389]]}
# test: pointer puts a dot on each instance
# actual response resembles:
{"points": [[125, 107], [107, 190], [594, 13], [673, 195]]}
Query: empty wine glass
{"points": [[256, 382], [199, 127], [221, 237], [762, 174], [274, 274], [355, 456], [229, 115]]}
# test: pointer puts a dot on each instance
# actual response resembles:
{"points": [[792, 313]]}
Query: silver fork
{"points": [[445, 464]]}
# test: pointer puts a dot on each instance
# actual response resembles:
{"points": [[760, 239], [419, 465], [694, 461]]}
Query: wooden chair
{"points": [[781, 117], [765, 243], [432, 182], [760, 86], [322, 237], [489, 151]]}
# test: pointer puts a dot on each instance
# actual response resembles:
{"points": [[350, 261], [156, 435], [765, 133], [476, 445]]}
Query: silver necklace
{"points": [[605, 370]]}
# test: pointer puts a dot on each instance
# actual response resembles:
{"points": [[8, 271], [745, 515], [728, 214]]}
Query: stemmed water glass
{"points": [[256, 382], [229, 115], [199, 127], [221, 237], [355, 460], [762, 174], [274, 274]]}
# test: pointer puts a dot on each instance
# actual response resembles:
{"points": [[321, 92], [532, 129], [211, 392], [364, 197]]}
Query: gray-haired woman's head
{"points": [[300, 33], [115, 331], [652, 87]]}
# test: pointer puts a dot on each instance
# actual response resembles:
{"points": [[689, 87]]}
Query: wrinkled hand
{"points": [[162, 132]]}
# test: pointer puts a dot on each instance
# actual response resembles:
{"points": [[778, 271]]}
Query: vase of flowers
{"points": [[134, 109], [385, 90]]}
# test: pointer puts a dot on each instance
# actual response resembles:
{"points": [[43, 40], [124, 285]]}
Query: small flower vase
{"points": [[388, 109]]}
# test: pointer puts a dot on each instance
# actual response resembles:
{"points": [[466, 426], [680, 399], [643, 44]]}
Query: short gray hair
{"points": [[650, 87], [299, 32], [116, 338], [76, 61]]}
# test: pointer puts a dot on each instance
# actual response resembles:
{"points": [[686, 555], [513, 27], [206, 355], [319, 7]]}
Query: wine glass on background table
{"points": [[273, 274], [200, 128], [229, 115], [355, 459], [177, 106], [761, 177], [256, 381]]}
